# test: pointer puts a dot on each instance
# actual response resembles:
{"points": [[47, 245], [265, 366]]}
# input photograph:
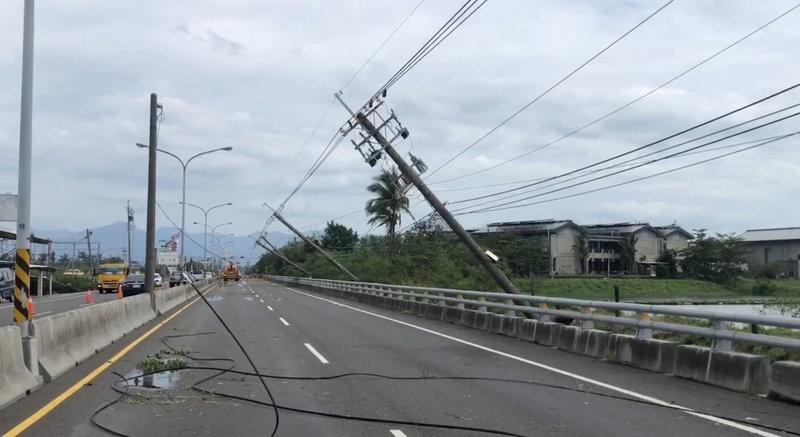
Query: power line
{"points": [[580, 170], [552, 87], [492, 209], [626, 105], [652, 161]]}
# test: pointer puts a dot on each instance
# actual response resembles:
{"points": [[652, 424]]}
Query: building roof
{"points": [[774, 234], [619, 228], [666, 230], [532, 226]]}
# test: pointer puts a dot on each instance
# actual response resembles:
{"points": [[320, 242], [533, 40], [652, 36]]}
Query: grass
{"points": [[158, 362], [641, 289]]}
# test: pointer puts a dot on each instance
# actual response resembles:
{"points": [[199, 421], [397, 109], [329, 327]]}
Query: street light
{"points": [[184, 165], [205, 221], [213, 228]]}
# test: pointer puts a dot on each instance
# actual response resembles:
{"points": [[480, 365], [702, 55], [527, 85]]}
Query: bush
{"points": [[764, 288]]}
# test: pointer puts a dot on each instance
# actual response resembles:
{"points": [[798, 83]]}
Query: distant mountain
{"points": [[113, 241]]}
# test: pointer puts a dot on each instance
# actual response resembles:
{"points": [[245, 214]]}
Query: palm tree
{"points": [[388, 205]]}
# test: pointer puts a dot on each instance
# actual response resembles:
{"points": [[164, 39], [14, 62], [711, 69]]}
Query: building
{"points": [[778, 246], [605, 245]]}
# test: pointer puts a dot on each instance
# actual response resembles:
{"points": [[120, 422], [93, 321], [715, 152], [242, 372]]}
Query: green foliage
{"points": [[764, 288], [388, 205], [627, 253], [71, 284], [760, 270], [581, 249], [714, 258], [339, 237], [670, 267]]}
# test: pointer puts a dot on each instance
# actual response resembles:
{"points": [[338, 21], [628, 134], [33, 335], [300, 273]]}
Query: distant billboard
{"points": [[169, 259], [8, 207]]}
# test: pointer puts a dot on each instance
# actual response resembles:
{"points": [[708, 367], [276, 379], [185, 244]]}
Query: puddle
{"points": [[215, 298], [163, 380], [248, 298]]}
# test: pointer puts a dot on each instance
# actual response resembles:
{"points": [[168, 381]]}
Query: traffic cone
{"points": [[30, 305], [89, 296], [119, 292]]}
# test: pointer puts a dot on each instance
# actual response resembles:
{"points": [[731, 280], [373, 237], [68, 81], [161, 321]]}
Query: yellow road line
{"points": [[35, 417]]}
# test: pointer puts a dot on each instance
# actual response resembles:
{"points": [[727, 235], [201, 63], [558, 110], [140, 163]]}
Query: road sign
{"points": [[168, 258]]}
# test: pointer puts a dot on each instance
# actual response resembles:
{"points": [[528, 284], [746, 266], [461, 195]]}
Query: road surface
{"points": [[295, 336], [54, 304]]}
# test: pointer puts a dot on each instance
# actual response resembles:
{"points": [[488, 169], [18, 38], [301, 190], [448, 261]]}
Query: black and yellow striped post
{"points": [[22, 285]]}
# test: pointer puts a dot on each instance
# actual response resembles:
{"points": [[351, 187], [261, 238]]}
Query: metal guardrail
{"points": [[718, 332]]}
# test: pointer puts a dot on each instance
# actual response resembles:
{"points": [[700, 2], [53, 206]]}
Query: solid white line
{"points": [[269, 308], [262, 300], [625, 391], [316, 354], [284, 321], [42, 313], [397, 433]]}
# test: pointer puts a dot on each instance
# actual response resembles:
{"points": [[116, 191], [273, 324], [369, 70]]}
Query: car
{"points": [[197, 275], [157, 280], [73, 272], [175, 279], [133, 284]]}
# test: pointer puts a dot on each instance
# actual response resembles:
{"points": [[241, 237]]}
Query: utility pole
{"points": [[278, 253], [130, 222], [150, 246], [411, 175], [22, 264], [89, 244], [308, 241]]}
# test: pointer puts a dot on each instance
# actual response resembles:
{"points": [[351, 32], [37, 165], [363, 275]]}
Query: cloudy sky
{"points": [[259, 75]]}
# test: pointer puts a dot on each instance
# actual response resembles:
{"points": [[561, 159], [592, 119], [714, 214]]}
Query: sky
{"points": [[258, 76]]}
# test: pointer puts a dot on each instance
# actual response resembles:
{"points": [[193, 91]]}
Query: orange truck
{"points": [[231, 272]]}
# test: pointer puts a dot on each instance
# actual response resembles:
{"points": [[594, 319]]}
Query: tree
{"points": [[388, 205], [64, 258], [581, 249], [114, 259], [669, 258], [339, 237], [627, 253], [717, 258]]}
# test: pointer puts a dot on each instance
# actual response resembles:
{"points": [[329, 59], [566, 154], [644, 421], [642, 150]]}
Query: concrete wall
{"points": [[676, 241], [786, 252], [648, 245], [15, 380], [561, 243]]}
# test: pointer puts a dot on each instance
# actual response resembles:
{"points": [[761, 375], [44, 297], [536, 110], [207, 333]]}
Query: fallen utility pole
{"points": [[411, 175], [308, 241], [278, 253]]}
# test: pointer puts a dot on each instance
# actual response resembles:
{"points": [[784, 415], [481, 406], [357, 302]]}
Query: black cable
{"points": [[548, 90], [626, 105], [93, 418], [652, 161]]}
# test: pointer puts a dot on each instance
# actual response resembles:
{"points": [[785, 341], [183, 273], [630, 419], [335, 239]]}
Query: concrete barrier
{"points": [[785, 382], [568, 338], [732, 370], [68, 338], [644, 353], [511, 326], [593, 343], [452, 315], [15, 380], [169, 298], [527, 327], [546, 333], [494, 323]]}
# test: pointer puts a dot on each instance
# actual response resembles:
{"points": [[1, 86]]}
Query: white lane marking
{"points": [[316, 354], [45, 300], [397, 433], [261, 300], [625, 391], [284, 321], [269, 308], [42, 313]]}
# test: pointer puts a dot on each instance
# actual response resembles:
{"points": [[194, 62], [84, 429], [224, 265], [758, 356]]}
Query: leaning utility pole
{"points": [[278, 253], [89, 244], [308, 241], [130, 221], [487, 259], [150, 246]]}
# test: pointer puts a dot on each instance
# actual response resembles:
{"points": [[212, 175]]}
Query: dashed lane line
{"points": [[284, 321], [316, 354]]}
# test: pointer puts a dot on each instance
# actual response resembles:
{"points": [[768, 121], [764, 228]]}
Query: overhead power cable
{"points": [[552, 87], [626, 105], [579, 171], [649, 162], [714, 158]]}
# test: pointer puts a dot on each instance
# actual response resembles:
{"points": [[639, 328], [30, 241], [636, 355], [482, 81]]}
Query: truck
{"points": [[109, 276], [231, 272]]}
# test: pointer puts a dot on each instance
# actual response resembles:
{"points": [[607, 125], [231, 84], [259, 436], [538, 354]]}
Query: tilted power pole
{"points": [[278, 253], [372, 154], [311, 243]]}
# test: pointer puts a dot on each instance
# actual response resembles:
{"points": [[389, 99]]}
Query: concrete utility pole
{"points": [[130, 222], [89, 244], [437, 205], [22, 265], [278, 253], [150, 246], [308, 241]]}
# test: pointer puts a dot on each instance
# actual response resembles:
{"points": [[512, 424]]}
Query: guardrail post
{"points": [[543, 317], [425, 298], [587, 324], [510, 312], [460, 304], [481, 308], [441, 302], [720, 344], [643, 332]]}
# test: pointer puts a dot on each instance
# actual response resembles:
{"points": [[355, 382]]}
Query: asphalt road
{"points": [[410, 370], [53, 304]]}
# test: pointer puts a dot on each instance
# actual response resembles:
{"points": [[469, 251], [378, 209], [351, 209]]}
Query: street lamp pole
{"points": [[205, 221], [183, 195], [213, 228]]}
